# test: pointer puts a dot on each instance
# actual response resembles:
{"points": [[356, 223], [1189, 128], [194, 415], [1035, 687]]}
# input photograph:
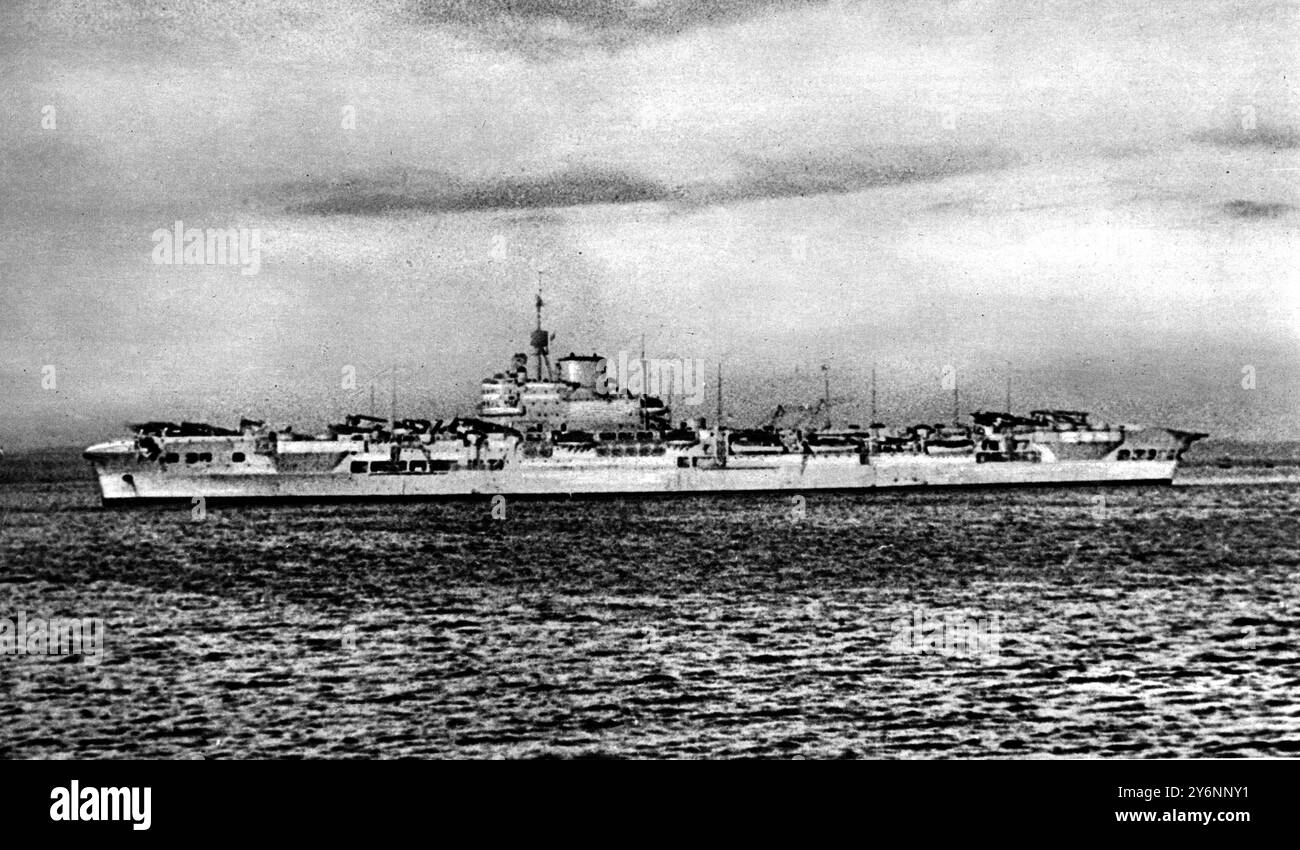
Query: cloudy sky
{"points": [[1098, 199]]}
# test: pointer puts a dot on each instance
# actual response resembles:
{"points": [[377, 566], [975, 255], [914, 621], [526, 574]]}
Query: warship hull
{"points": [[781, 474]]}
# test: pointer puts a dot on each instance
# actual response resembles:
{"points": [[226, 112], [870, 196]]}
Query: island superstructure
{"points": [[567, 430]]}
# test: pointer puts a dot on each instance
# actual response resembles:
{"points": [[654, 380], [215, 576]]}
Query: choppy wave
{"points": [[1143, 622]]}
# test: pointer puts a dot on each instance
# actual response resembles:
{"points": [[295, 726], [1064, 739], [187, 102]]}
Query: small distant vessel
{"points": [[565, 432]]}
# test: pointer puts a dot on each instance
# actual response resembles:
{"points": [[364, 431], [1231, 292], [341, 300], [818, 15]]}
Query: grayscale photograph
{"points": [[648, 380]]}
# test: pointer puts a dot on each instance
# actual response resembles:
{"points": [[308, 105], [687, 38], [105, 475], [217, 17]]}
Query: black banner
{"points": [[145, 801]]}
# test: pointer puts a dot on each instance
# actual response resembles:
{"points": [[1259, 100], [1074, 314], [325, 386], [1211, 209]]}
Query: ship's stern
{"points": [[113, 462]]}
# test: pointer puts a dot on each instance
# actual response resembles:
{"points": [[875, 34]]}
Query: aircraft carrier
{"points": [[565, 430]]}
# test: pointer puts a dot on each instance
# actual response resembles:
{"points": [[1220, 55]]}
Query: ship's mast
{"points": [[871, 426], [720, 450], [826, 398], [956, 399], [541, 339], [1008, 408], [874, 419]]}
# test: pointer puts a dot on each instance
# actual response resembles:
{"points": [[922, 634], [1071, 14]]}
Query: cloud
{"points": [[1256, 209], [843, 172], [1275, 138], [405, 190], [393, 191], [532, 24]]}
